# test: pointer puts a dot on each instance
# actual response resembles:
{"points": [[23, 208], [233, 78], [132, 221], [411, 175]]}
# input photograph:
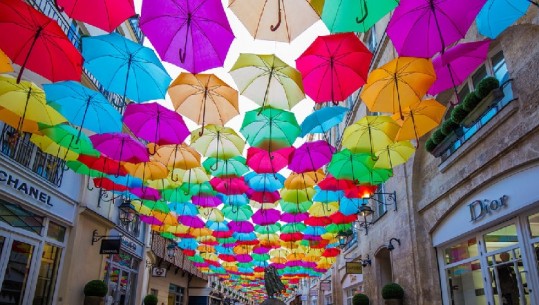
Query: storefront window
{"points": [[16, 274], [501, 238], [509, 281], [461, 251], [56, 232], [533, 222], [121, 277], [465, 284], [175, 295], [48, 274]]}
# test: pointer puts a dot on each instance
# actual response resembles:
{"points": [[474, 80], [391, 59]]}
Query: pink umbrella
{"points": [[120, 147], [155, 123], [104, 14], [311, 156], [422, 28], [229, 185], [244, 258], [262, 161], [455, 65], [261, 250], [334, 66], [150, 220], [266, 217]]}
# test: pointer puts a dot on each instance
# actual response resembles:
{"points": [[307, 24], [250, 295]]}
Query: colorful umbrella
{"points": [[394, 154], [266, 217], [263, 161], [264, 182], [103, 164], [105, 14], [229, 185], [268, 81], [125, 67], [155, 123], [318, 5], [303, 180], [270, 128], [204, 98], [334, 66], [218, 142], [52, 148], [274, 20], [230, 167], [419, 119], [455, 65], [177, 156], [69, 138], [370, 134], [357, 167], [355, 15], [194, 35], [241, 213], [311, 156], [498, 15], [422, 28], [120, 147], [147, 170], [322, 120], [5, 63], [398, 84], [34, 41]]}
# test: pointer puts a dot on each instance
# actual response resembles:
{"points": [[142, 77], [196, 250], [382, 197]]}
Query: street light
{"points": [[343, 237], [127, 212]]}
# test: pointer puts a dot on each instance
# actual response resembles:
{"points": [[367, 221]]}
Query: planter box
{"points": [[94, 300], [487, 102], [446, 143], [393, 302]]}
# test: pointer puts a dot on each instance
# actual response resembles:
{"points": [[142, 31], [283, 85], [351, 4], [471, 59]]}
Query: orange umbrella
{"points": [[147, 170], [418, 119], [304, 180], [5, 63], [398, 84], [177, 156], [200, 232], [204, 98]]}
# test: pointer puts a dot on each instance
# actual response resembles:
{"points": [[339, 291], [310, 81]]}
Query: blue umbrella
{"points": [[188, 244], [234, 200], [83, 107], [264, 182], [217, 226], [224, 250], [125, 67], [183, 208], [315, 231], [129, 181], [498, 15], [350, 206], [327, 196], [323, 120], [244, 236]]}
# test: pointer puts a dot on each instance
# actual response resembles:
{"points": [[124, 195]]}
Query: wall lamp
{"points": [[390, 246], [386, 199], [366, 262]]}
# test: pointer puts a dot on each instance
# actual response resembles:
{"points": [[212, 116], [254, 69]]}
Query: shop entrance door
{"points": [[17, 261]]}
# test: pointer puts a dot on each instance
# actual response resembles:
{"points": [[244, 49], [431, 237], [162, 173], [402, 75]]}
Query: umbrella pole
{"points": [[267, 88], [415, 129], [127, 78], [21, 120], [217, 155], [36, 36], [433, 8], [533, 2], [453, 81], [274, 28], [174, 164], [398, 94], [183, 52], [121, 153], [204, 111], [84, 117]]}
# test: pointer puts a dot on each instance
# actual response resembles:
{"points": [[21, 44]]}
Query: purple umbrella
{"points": [[241, 226], [150, 220], [261, 250], [311, 156], [146, 193], [155, 123], [289, 217], [120, 147], [244, 258], [206, 201], [194, 34], [266, 217], [455, 65], [422, 28], [191, 221]]}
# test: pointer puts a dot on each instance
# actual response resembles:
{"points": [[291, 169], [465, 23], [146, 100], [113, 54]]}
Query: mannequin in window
{"points": [[508, 281]]}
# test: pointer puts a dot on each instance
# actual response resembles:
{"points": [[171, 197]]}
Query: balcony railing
{"points": [[134, 23]]}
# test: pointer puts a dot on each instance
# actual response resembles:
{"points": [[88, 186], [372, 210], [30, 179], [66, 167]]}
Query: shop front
{"points": [[34, 225], [488, 246], [352, 284]]}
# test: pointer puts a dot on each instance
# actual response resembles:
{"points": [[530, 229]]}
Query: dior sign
{"points": [[482, 208]]}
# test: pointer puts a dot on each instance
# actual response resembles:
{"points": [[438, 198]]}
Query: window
{"points": [[175, 295], [48, 274], [381, 208], [132, 227], [370, 39], [328, 299]]}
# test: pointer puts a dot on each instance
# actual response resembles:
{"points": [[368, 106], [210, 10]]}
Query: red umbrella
{"points": [[333, 184], [229, 185], [262, 161], [361, 191], [104, 14], [340, 218], [291, 236], [334, 66], [264, 196], [109, 185], [103, 164], [317, 221], [35, 41]]}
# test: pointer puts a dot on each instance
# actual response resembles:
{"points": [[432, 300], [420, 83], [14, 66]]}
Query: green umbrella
{"points": [[197, 189], [196, 258], [167, 235], [267, 229], [357, 167], [68, 137], [241, 213], [175, 195], [335, 228], [355, 15], [81, 168], [295, 208], [228, 240], [270, 128], [297, 196], [293, 227], [260, 257], [231, 167], [156, 206]]}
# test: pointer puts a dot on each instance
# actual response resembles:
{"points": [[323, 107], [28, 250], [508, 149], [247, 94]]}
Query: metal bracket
{"points": [[96, 237]]}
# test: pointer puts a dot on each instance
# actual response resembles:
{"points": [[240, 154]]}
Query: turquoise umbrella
{"points": [[498, 15], [355, 15]]}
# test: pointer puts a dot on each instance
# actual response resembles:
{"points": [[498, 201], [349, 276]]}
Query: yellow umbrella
{"points": [[297, 196], [204, 98], [269, 240], [5, 63], [141, 208], [163, 184], [243, 249], [25, 102], [398, 84], [217, 141], [394, 154], [52, 148], [320, 209], [198, 232], [212, 214], [206, 249], [279, 256], [303, 180], [208, 239], [147, 170], [263, 205], [178, 229], [370, 134], [177, 156], [194, 175], [165, 218], [318, 5], [418, 119], [210, 256]]}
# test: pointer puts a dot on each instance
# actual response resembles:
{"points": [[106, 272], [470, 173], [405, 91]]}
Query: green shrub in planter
{"points": [[471, 100], [392, 291], [459, 114], [437, 136], [448, 127], [360, 299], [95, 288], [150, 300], [486, 85], [430, 145]]}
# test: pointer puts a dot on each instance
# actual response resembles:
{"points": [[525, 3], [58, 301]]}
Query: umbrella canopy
{"points": [[311, 156], [357, 167], [34, 41], [204, 98], [322, 120], [318, 5], [498, 15], [267, 80], [355, 15], [457, 63], [125, 67], [155, 123], [230, 167], [264, 182], [147, 170], [22, 106], [419, 119], [103, 164], [194, 35], [83, 107], [274, 20], [334, 66], [5, 63], [263, 161], [104, 14], [398, 84], [270, 128], [120, 147], [422, 28], [394, 154], [370, 134], [47, 145], [303, 180], [70, 138], [218, 142], [177, 156]]}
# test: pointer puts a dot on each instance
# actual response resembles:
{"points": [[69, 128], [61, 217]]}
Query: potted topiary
{"points": [[459, 113], [150, 299], [94, 292], [488, 92], [393, 294], [429, 145], [471, 100], [360, 299], [486, 86], [448, 127]]}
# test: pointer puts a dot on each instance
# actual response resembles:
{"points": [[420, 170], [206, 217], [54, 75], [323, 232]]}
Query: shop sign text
{"points": [[21, 186], [482, 208]]}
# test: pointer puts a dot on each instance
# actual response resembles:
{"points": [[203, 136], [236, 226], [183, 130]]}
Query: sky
{"points": [[245, 43]]}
